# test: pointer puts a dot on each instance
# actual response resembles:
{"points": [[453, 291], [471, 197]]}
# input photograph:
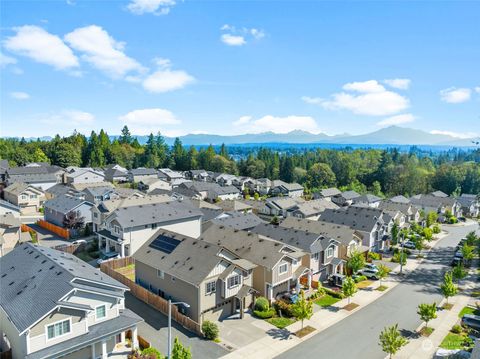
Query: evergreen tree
{"points": [[126, 136]]}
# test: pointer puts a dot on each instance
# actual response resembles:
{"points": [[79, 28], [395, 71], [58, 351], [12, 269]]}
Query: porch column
{"points": [[93, 351], [122, 250], [99, 242], [107, 245], [309, 277], [241, 307], [104, 349], [135, 338]]}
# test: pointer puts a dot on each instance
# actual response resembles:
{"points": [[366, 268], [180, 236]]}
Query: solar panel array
{"points": [[165, 244]]}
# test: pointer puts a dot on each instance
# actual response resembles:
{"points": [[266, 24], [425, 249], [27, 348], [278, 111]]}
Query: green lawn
{"points": [[326, 301], [452, 341], [281, 322], [468, 310]]}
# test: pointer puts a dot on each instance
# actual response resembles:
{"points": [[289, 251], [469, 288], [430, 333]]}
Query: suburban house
{"points": [[470, 204], [241, 182], [126, 229], [369, 200], [58, 211], [214, 281], [367, 221], [139, 174], [41, 175], [99, 193], [321, 259], [439, 194], [234, 205], [60, 190], [345, 198], [279, 206], [311, 209], [4, 166], [149, 184], [237, 220], [327, 193], [53, 305], [399, 199], [411, 213], [225, 179], [169, 175], [83, 175], [260, 185], [348, 239], [197, 175], [27, 197], [281, 188], [11, 233], [7, 207], [437, 203], [210, 191], [116, 173], [277, 263]]}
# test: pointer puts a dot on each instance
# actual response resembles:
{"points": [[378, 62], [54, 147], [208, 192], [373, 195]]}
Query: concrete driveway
{"points": [[47, 238], [154, 329], [357, 335]]}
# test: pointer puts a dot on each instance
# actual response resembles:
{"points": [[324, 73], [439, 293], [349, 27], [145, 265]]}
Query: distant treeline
{"points": [[379, 171]]}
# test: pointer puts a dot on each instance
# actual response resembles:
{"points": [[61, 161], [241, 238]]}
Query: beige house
{"points": [[213, 281], [10, 233], [29, 198], [53, 305]]}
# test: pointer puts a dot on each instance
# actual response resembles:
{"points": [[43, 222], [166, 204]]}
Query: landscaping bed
{"points": [[457, 338], [425, 331], [128, 271], [351, 306], [305, 331], [468, 310], [447, 306], [381, 288], [364, 284]]}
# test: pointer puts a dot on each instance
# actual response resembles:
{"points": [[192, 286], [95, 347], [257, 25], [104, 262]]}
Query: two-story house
{"points": [[81, 175], [10, 233], [277, 263], [139, 174], [40, 175], [281, 188], [470, 204], [411, 213], [57, 209], [345, 198], [116, 173], [54, 305], [437, 203], [213, 281], [27, 197], [311, 209], [126, 229]]}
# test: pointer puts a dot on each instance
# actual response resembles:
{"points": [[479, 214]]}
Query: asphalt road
{"points": [[357, 335], [154, 329]]}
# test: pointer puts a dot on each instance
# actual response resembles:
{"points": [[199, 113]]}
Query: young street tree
{"points": [[391, 340], [382, 273], [303, 308], [349, 288], [449, 289], [458, 273], [427, 312], [179, 351], [356, 262], [468, 253]]}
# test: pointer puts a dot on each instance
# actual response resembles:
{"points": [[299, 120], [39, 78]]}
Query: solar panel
{"points": [[165, 244]]}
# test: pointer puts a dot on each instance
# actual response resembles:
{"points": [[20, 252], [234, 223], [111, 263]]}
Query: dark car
{"points": [[462, 219], [409, 245], [471, 321], [456, 261], [336, 280]]}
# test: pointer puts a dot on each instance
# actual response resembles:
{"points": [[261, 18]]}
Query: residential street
{"points": [[357, 335], [154, 329]]}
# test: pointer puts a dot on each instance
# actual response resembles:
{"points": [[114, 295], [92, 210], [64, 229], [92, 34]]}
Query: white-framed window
{"points": [[100, 312], [329, 252], [23, 196], [234, 281], [59, 329], [316, 256], [160, 273], [211, 287], [117, 229], [95, 214], [283, 268], [32, 196]]}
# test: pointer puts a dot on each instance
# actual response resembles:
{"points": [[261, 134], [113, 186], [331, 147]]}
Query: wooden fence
{"points": [[25, 228], [145, 295], [62, 232], [304, 281], [69, 248], [6, 355]]}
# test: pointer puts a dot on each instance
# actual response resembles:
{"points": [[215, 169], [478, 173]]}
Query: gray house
{"points": [[56, 209], [53, 305]]}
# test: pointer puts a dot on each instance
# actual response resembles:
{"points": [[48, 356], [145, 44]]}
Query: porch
{"points": [[108, 243]]}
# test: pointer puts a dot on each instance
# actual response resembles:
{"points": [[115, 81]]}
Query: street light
{"points": [[186, 305]]}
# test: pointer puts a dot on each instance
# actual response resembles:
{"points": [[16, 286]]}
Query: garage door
{"points": [[219, 313]]}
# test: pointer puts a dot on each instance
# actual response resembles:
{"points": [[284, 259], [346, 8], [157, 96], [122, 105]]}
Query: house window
{"points": [[316, 256], [33, 196], [23, 196], [160, 273], [154, 225], [95, 215], [234, 281], [58, 329], [117, 229], [329, 252], [211, 287], [100, 312], [283, 268]]}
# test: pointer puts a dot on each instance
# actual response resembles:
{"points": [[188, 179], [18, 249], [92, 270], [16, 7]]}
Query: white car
{"points": [[369, 273], [79, 241], [409, 245], [371, 266]]}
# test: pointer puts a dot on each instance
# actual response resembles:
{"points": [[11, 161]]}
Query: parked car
{"points": [[471, 321], [462, 219], [79, 241], [336, 280], [371, 266], [459, 254], [456, 261], [106, 257], [369, 273], [409, 245]]}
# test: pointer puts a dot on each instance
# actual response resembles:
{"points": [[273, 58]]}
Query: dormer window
{"points": [[283, 268], [58, 329], [329, 252], [100, 312]]}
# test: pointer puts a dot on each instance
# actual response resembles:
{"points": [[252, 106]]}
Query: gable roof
{"points": [[439, 194], [367, 198], [348, 195], [356, 217], [34, 278], [330, 192], [18, 187], [142, 171], [233, 205], [399, 199], [64, 204], [313, 207], [237, 220], [9, 205]]}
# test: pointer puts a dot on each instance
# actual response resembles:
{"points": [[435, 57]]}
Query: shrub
{"points": [[436, 229], [374, 256], [360, 278], [265, 314], [334, 293], [151, 353], [261, 304], [397, 257], [457, 329], [283, 308], [210, 330], [452, 220]]}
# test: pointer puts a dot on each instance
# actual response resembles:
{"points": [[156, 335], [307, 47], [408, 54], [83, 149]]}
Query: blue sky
{"points": [[230, 67]]}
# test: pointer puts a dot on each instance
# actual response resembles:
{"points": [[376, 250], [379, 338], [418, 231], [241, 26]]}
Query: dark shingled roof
{"points": [[65, 204], [34, 279], [356, 217], [238, 220]]}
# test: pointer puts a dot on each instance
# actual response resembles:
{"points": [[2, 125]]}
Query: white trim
{"points": [[280, 267], [47, 339]]}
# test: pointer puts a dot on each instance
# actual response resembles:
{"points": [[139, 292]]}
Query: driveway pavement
{"points": [[47, 238], [154, 329], [357, 335]]}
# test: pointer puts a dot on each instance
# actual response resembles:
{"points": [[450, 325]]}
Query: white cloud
{"points": [[455, 95], [102, 51], [277, 124], [41, 46], [167, 80], [68, 118], [155, 7], [401, 84], [257, 34], [364, 98], [233, 40], [397, 120], [370, 86], [455, 134], [6, 60], [149, 120], [477, 89], [17, 95]]}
